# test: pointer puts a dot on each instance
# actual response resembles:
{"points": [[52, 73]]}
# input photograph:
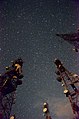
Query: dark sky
{"points": [[27, 30]]}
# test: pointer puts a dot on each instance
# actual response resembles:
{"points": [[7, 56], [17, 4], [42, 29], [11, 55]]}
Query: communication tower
{"points": [[8, 85], [70, 83]]}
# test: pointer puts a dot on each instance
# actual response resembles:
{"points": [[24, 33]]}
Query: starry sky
{"points": [[27, 30]]}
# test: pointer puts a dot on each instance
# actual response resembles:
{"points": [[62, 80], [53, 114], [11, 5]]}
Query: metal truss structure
{"points": [[70, 83], [8, 85], [46, 111], [6, 103]]}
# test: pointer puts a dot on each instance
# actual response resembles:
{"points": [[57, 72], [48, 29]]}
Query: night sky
{"points": [[27, 30]]}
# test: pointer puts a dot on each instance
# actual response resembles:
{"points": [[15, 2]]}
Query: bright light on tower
{"points": [[12, 117]]}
